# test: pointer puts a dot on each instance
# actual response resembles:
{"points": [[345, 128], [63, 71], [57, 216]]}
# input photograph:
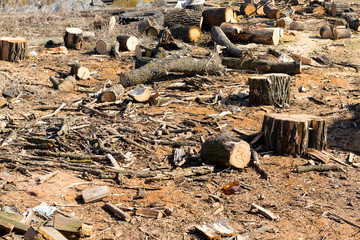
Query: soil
{"points": [[301, 200]]}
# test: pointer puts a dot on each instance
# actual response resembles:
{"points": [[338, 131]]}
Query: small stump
{"points": [[294, 134], [12, 49], [270, 89], [73, 38]]}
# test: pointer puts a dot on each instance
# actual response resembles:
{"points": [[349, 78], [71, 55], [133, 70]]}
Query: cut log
{"points": [[272, 11], [240, 33], [13, 49], [221, 39], [112, 94], [298, 26], [225, 150], [341, 32], [284, 22], [263, 66], [67, 85], [270, 89], [73, 38], [315, 9], [294, 134], [143, 25], [105, 46], [127, 43], [216, 16], [337, 8], [140, 94], [326, 32], [95, 194], [78, 71], [182, 17], [117, 212], [354, 24], [161, 67], [186, 33], [248, 9], [349, 16]]}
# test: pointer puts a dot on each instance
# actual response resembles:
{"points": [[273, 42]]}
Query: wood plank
{"points": [[51, 233], [5, 226], [95, 194], [66, 224], [18, 226], [148, 212], [12, 216]]}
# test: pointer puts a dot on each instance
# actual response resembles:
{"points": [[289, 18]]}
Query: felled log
{"points": [[225, 150], [112, 94], [317, 168], [79, 71], [161, 67], [242, 33], [315, 9], [337, 8], [270, 89], [187, 33], [140, 94], [294, 134], [326, 32], [284, 22], [221, 39], [263, 66], [73, 38], [354, 24], [216, 16], [127, 43], [248, 9], [341, 32], [297, 25], [272, 11], [152, 31], [13, 49], [183, 17], [106, 46]]}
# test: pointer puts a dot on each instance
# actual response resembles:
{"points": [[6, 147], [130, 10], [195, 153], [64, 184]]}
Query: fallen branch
{"points": [[258, 166], [318, 168]]}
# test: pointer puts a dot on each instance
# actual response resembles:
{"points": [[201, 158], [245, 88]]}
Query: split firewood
{"points": [[216, 16], [51, 233], [221, 39], [326, 32], [318, 155], [266, 213], [263, 66], [242, 33], [13, 49], [270, 89], [67, 85], [337, 8], [183, 17], [341, 32], [317, 168], [127, 43], [79, 71], [294, 133], [140, 94], [117, 212], [161, 67], [73, 38], [248, 9], [315, 9], [112, 94], [95, 194], [225, 150]]}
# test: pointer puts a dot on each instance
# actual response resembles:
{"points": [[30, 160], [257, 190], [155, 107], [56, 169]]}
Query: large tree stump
{"points": [[127, 43], [244, 33], [225, 150], [216, 16], [12, 49], [270, 89], [294, 134], [73, 38]]}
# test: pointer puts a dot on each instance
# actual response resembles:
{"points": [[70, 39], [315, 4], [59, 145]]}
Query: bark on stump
{"points": [[112, 94], [242, 33], [13, 49], [73, 38], [294, 134], [127, 43], [221, 39], [270, 89], [216, 16], [225, 150]]}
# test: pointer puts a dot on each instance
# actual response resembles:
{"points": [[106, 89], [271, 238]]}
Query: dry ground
{"points": [[300, 200]]}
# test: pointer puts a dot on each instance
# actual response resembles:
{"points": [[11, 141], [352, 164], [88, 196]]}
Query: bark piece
{"points": [[317, 168], [294, 134], [161, 67], [337, 8], [149, 212], [326, 32], [266, 213], [225, 150], [271, 89], [73, 38], [208, 232], [117, 212], [216, 16], [51, 233], [140, 94], [221, 39], [112, 94], [95, 194], [241, 33], [263, 65], [127, 43], [13, 49], [341, 32], [319, 155]]}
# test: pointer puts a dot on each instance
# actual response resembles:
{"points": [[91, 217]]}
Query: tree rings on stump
{"points": [[294, 134]]}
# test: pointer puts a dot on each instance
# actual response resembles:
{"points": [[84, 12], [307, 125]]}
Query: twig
{"points": [[55, 112], [331, 214], [258, 166]]}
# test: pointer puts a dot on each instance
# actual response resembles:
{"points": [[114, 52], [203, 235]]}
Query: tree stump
{"points": [[216, 16], [270, 89], [73, 38], [112, 94], [294, 134], [12, 49], [225, 150], [127, 43]]}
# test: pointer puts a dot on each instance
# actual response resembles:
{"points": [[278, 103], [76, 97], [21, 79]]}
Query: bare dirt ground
{"points": [[300, 200]]}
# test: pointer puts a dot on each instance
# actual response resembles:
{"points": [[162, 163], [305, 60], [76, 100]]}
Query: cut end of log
{"points": [[112, 23], [276, 36], [101, 47], [152, 32], [74, 31], [127, 43], [140, 94], [67, 85], [194, 34], [229, 14], [326, 32]]}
